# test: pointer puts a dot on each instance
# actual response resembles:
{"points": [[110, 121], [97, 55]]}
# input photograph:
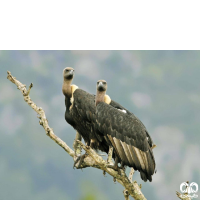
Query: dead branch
{"points": [[93, 159], [181, 196]]}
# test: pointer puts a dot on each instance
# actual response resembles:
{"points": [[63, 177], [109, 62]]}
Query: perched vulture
{"points": [[81, 112], [127, 135]]}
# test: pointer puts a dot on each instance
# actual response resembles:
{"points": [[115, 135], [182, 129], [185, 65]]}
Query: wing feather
{"points": [[134, 157], [120, 150], [129, 138], [113, 143], [127, 152], [139, 156]]}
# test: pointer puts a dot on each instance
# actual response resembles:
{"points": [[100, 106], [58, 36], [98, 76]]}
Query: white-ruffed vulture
{"points": [[81, 112], [127, 135]]}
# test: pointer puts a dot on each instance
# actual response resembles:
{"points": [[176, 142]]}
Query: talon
{"points": [[104, 173], [115, 166], [123, 166], [114, 179], [76, 161], [80, 159]]}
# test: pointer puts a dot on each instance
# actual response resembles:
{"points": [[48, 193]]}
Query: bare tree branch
{"points": [[43, 120], [110, 153], [126, 194], [76, 146], [93, 159], [131, 175], [184, 196], [181, 196]]}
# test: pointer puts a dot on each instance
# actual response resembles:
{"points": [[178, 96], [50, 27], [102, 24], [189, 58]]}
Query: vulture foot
{"points": [[80, 160], [123, 166], [115, 167]]}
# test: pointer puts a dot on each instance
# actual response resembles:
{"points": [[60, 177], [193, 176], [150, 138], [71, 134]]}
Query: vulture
{"points": [[81, 112], [124, 132]]}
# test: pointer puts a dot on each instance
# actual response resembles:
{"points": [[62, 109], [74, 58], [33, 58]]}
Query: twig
{"points": [[185, 195], [110, 153], [76, 146], [92, 160], [43, 120], [181, 196], [126, 194], [131, 175]]}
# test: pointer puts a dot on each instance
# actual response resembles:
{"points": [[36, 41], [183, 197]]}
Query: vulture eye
{"points": [[104, 83], [66, 70]]}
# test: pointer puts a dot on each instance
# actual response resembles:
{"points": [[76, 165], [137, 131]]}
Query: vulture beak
{"points": [[71, 72], [68, 74], [101, 87]]}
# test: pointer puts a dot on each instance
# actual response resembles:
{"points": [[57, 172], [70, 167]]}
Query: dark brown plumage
{"points": [[107, 125], [126, 133], [80, 112]]}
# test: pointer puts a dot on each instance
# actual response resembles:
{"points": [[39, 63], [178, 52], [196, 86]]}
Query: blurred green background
{"points": [[162, 88]]}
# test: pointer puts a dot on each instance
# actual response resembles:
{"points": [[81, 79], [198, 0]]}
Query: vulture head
{"points": [[101, 86], [68, 73], [101, 93]]}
